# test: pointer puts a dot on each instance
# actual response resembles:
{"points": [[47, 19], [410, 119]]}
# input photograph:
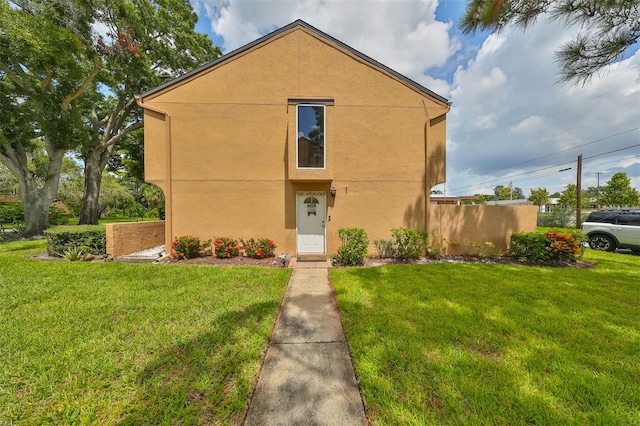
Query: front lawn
{"points": [[105, 343], [496, 344]]}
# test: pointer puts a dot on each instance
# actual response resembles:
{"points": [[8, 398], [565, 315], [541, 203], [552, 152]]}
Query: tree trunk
{"points": [[35, 199], [36, 209], [94, 163]]}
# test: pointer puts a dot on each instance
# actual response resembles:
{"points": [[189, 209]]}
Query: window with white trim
{"points": [[311, 136]]}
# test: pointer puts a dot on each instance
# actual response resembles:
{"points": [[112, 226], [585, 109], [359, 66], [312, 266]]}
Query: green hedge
{"points": [[12, 213], [92, 239]]}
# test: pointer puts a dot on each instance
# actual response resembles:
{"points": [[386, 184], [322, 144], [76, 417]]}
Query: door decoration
{"points": [[311, 203]]}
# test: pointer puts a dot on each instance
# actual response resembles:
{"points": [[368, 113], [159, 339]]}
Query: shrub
{"points": [[14, 213], [435, 245], [263, 247], [529, 246], [11, 213], [226, 247], [404, 244], [384, 248], [90, 239], [57, 216], [409, 243], [188, 247], [354, 246], [546, 219], [563, 216], [482, 251], [566, 246], [74, 254], [554, 245]]}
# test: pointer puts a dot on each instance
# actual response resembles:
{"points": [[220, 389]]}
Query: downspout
{"points": [[427, 171], [168, 196]]}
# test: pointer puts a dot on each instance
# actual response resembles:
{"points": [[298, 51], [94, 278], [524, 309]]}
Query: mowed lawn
{"points": [[115, 343], [492, 344]]}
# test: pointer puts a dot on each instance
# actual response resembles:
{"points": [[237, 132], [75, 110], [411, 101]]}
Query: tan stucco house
{"points": [[292, 137]]}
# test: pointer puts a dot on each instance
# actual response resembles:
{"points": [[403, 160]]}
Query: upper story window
{"points": [[311, 136]]}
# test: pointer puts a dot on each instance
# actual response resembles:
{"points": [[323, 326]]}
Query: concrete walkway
{"points": [[307, 377]]}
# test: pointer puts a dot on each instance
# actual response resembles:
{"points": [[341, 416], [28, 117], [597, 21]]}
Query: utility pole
{"points": [[579, 190], [598, 189]]}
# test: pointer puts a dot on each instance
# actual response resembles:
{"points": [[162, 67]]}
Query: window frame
{"points": [[324, 124]]}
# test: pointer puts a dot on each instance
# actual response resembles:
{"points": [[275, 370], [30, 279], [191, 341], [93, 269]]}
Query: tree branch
{"points": [[66, 102], [46, 81], [131, 128], [14, 77]]}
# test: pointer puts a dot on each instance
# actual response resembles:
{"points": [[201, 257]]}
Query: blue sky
{"points": [[509, 121]]}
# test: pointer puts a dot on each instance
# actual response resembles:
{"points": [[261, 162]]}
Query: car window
{"points": [[630, 220], [606, 217]]}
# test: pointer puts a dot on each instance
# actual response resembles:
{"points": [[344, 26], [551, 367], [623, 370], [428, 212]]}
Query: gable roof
{"points": [[300, 23]]}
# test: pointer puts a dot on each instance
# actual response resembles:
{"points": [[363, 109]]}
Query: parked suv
{"points": [[611, 229]]}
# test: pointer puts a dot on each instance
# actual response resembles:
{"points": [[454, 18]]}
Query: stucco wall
{"points": [[460, 224], [228, 159], [130, 237]]}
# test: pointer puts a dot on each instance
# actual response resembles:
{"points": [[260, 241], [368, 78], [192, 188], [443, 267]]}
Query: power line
{"points": [[560, 152], [569, 149], [597, 166], [541, 169]]}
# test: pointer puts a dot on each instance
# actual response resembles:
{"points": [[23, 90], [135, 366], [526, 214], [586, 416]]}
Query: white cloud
{"points": [[531, 123], [629, 161], [511, 119], [485, 121]]}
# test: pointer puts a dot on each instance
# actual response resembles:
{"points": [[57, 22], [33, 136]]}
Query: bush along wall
{"points": [[552, 246], [354, 247], [405, 244], [88, 239], [188, 247]]}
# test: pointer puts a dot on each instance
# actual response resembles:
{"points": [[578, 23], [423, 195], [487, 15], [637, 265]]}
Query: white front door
{"points": [[311, 211]]}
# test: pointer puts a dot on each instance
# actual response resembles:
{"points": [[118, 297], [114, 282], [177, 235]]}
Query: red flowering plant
{"points": [[565, 246], [259, 249], [225, 248], [188, 247]]}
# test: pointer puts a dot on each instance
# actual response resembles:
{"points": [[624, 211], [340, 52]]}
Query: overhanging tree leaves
{"points": [[607, 28]]}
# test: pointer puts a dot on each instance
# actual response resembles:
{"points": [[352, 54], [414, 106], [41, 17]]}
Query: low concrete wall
{"points": [[459, 225], [130, 237]]}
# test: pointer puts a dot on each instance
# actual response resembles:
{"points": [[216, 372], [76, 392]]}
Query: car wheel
{"points": [[602, 242]]}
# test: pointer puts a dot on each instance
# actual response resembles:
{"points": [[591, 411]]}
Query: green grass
{"points": [[115, 343], [495, 344]]}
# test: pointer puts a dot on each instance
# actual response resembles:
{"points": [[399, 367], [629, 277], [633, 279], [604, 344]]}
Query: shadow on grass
{"points": [[488, 352], [208, 379]]}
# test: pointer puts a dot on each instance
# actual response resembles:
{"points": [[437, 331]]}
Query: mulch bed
{"points": [[275, 262], [501, 260], [234, 261]]}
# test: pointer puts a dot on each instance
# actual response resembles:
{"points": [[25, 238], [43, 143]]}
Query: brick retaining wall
{"points": [[130, 237]]}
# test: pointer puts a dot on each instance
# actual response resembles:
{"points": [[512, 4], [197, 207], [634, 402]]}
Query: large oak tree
{"points": [[143, 43], [44, 71], [69, 70]]}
